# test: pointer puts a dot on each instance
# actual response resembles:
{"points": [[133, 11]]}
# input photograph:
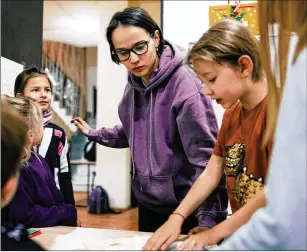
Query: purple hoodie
{"points": [[38, 202], [171, 129]]}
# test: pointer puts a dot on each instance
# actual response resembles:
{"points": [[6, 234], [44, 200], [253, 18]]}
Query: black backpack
{"points": [[90, 151]]}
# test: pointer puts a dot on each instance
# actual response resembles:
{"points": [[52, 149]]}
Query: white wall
{"points": [[113, 165], [91, 74], [185, 22]]}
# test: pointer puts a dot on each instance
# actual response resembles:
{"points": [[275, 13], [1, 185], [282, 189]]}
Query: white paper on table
{"points": [[137, 242], [77, 240]]}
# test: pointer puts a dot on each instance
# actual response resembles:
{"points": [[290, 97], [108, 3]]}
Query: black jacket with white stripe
{"points": [[54, 149]]}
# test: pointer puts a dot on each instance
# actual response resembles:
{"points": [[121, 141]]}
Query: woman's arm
{"points": [[111, 137]]}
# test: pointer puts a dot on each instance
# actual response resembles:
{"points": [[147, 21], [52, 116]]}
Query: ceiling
{"points": [[72, 22], [78, 22]]}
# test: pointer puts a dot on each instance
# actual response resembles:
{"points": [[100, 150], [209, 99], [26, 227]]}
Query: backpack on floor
{"points": [[98, 202]]}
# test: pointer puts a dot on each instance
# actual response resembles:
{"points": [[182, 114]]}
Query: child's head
{"points": [[227, 59], [32, 114], [35, 83], [13, 140]]}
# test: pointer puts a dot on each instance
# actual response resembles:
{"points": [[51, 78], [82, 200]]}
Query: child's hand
{"points": [[81, 125], [199, 241], [165, 235], [197, 230]]}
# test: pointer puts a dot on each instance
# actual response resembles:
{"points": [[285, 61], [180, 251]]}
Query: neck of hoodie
{"points": [[145, 79], [168, 63]]}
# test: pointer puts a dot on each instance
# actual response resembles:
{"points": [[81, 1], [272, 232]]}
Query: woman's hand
{"points": [[166, 234], [83, 127]]}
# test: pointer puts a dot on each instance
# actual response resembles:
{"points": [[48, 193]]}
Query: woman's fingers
{"points": [[81, 125]]}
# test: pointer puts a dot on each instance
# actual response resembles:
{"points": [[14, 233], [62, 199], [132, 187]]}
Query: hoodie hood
{"points": [[169, 61]]}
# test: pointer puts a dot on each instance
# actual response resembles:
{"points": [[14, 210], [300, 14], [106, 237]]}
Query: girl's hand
{"points": [[82, 126], [197, 230], [199, 241], [165, 235]]}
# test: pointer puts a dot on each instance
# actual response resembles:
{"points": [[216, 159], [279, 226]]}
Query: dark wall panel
{"points": [[22, 31]]}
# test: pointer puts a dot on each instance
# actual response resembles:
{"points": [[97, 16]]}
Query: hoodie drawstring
{"points": [[132, 132], [150, 131]]}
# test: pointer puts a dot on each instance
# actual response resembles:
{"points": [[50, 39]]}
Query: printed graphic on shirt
{"points": [[235, 156], [246, 186]]}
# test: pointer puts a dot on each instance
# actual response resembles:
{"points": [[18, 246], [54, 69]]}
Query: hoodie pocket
{"points": [[158, 189]]}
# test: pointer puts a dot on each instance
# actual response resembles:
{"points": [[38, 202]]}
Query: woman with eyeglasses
{"points": [[167, 121]]}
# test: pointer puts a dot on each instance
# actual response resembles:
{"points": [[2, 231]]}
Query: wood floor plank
{"points": [[127, 220]]}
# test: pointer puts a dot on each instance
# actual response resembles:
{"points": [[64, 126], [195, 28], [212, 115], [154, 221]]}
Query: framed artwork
{"points": [[247, 14], [66, 92]]}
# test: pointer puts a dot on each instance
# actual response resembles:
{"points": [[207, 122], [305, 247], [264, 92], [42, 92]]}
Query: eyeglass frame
{"points": [[131, 49]]}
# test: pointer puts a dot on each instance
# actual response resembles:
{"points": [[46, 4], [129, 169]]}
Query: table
{"points": [[88, 163], [78, 238], [92, 238]]}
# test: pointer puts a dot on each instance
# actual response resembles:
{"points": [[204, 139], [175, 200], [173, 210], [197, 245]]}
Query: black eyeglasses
{"points": [[139, 48]]}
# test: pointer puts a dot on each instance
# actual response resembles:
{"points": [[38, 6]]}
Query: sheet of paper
{"points": [[9, 72], [78, 240], [71, 241], [136, 242]]}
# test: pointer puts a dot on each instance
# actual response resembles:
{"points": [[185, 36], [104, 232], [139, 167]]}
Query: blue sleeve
{"points": [[281, 225]]}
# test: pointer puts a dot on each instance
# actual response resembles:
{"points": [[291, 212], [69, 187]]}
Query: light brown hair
{"points": [[30, 111], [290, 16], [225, 43], [13, 140], [27, 74]]}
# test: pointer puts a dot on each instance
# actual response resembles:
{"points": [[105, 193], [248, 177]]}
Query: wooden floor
{"points": [[127, 220]]}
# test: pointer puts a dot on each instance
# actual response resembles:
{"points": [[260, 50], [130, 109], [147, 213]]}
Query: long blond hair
{"points": [[30, 112], [13, 139], [289, 16]]}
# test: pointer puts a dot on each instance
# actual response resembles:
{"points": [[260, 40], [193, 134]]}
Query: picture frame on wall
{"points": [[247, 14]]}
